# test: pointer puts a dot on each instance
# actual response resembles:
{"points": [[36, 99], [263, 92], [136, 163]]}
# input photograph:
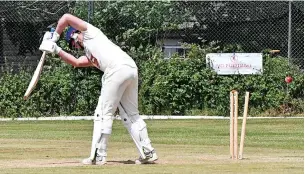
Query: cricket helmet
{"points": [[69, 37]]}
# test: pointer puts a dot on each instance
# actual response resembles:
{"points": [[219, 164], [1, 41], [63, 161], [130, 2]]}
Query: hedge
{"points": [[174, 86]]}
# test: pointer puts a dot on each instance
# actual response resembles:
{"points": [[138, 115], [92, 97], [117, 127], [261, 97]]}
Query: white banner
{"points": [[236, 63]]}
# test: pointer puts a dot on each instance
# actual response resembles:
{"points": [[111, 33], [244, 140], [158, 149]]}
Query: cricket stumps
{"points": [[234, 125]]}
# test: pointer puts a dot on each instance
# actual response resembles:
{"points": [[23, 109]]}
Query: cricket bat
{"points": [[35, 77]]}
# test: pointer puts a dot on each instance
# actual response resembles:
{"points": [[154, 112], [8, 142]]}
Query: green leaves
{"points": [[175, 86], [181, 86], [61, 90]]}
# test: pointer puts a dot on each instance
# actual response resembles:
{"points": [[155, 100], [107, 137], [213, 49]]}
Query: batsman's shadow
{"points": [[123, 162], [127, 162]]}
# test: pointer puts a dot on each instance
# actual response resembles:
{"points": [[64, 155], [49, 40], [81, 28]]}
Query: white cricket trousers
{"points": [[119, 86], [119, 90]]}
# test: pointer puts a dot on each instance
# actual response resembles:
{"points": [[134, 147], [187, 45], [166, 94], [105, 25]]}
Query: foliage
{"points": [[179, 86], [61, 90], [124, 23], [173, 86]]}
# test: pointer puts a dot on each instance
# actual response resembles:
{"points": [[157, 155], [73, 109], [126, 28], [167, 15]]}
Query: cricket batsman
{"points": [[119, 85]]}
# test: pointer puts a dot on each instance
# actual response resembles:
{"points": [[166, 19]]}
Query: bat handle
{"points": [[52, 30]]}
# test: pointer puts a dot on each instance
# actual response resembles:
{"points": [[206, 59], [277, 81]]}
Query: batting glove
{"points": [[47, 36], [55, 36], [50, 47]]}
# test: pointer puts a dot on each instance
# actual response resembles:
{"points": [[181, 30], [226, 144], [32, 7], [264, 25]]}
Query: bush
{"points": [[61, 90], [187, 86], [175, 86]]}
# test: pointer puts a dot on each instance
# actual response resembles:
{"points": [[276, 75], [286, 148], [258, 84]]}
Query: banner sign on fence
{"points": [[235, 63]]}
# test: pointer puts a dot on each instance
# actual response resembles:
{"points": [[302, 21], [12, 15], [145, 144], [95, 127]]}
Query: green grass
{"points": [[184, 146]]}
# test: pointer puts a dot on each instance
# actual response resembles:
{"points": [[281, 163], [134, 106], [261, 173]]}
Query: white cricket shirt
{"points": [[102, 52]]}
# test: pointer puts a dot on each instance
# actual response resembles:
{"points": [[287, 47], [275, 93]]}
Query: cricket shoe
{"points": [[151, 157], [100, 160]]}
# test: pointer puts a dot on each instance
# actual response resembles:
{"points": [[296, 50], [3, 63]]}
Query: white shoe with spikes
{"points": [[100, 160], [151, 157]]}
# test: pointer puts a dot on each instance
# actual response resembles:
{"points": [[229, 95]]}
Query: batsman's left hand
{"points": [[53, 36], [47, 36]]}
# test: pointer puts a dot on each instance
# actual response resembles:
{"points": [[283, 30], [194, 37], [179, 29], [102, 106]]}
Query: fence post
{"points": [[1, 40], [289, 33], [90, 10]]}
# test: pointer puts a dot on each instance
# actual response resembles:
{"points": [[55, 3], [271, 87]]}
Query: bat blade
{"points": [[35, 77]]}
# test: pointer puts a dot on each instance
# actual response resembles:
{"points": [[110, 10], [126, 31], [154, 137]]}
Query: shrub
{"points": [[182, 86], [61, 90], [173, 86]]}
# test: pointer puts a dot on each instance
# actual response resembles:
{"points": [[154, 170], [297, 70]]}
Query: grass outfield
{"points": [[183, 146]]}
